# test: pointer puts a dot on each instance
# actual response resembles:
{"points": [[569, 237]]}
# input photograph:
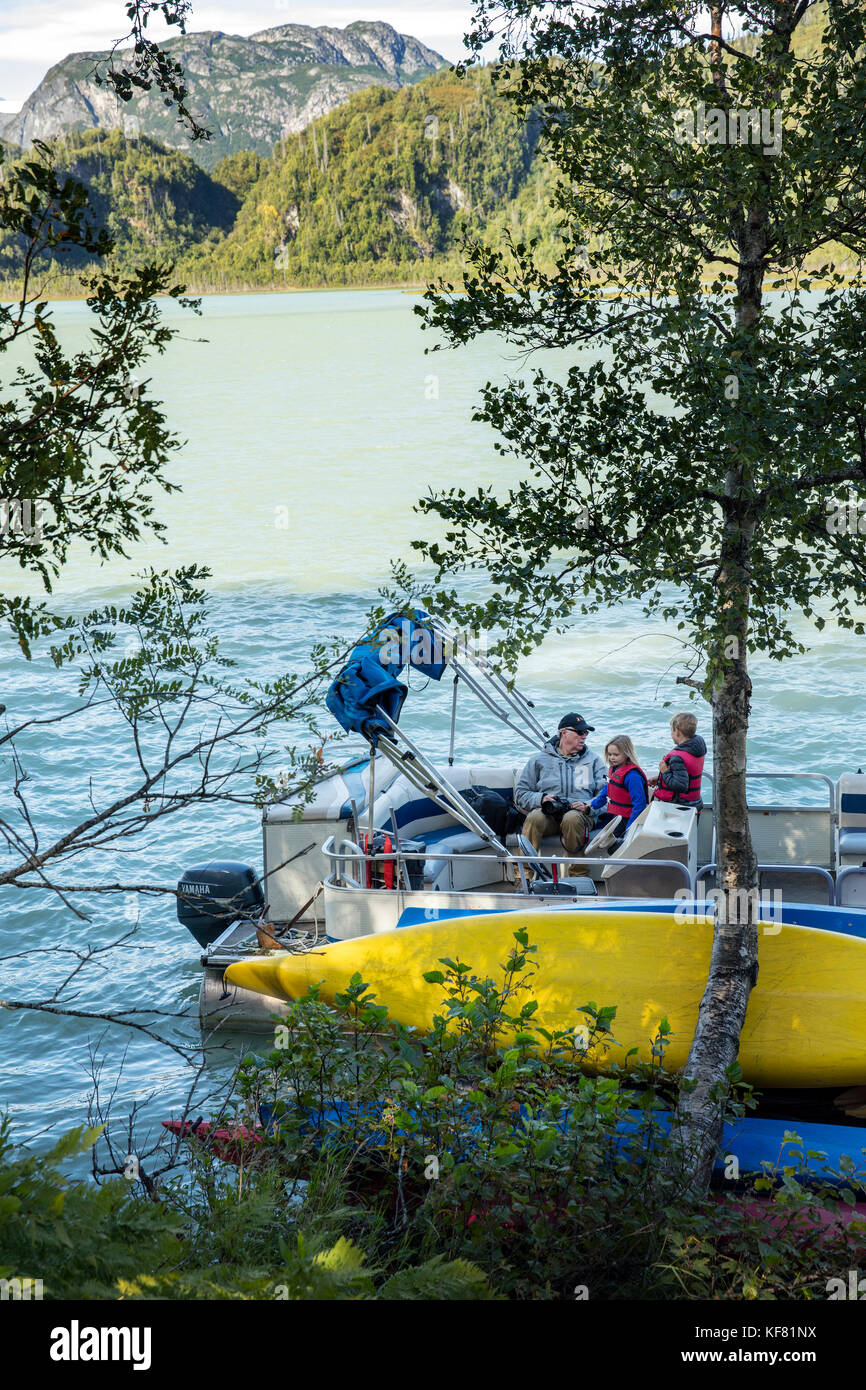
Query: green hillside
{"points": [[381, 190], [155, 202], [384, 186]]}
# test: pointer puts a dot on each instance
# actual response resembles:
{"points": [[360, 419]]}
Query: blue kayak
{"points": [[759, 1145]]}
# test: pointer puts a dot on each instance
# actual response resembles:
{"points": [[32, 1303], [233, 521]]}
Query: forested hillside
{"points": [[382, 189], [153, 201], [384, 186]]}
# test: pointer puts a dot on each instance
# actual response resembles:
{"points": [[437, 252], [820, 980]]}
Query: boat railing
{"points": [[854, 871], [814, 869], [346, 851], [758, 776], [832, 806]]}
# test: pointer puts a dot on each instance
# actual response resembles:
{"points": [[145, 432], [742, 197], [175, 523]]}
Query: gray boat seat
{"points": [[852, 842], [453, 839]]}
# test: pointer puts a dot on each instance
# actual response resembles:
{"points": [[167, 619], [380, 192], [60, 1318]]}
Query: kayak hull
{"points": [[806, 1020]]}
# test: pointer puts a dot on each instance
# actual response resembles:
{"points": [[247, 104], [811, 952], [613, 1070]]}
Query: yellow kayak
{"points": [[805, 1025]]}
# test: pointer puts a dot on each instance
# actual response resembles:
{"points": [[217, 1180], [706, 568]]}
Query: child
{"points": [[679, 775], [627, 791]]}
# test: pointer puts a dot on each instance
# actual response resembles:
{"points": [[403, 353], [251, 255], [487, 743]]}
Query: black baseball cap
{"points": [[576, 722]]}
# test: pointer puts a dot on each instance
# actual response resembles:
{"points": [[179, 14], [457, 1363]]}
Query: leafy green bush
{"points": [[484, 1141], [77, 1238], [152, 201], [206, 1237], [476, 1161]]}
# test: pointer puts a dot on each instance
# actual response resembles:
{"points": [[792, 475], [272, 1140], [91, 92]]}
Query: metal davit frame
{"points": [[502, 699], [497, 694], [420, 771]]}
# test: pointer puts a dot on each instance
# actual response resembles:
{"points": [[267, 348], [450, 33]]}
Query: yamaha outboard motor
{"points": [[213, 896]]}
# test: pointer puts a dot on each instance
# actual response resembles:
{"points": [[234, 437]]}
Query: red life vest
{"points": [[379, 875], [694, 767], [619, 802]]}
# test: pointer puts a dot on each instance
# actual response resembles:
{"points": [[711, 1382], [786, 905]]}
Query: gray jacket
{"points": [[550, 774]]}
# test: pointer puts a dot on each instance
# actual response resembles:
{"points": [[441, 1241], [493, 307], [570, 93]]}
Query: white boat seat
{"points": [[852, 842], [454, 839], [453, 835]]}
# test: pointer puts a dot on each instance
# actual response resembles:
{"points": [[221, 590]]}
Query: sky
{"points": [[36, 34]]}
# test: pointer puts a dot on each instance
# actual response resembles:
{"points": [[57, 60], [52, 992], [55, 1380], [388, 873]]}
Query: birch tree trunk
{"points": [[734, 960]]}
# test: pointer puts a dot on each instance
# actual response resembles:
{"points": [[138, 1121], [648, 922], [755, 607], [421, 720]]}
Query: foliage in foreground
{"points": [[455, 1165]]}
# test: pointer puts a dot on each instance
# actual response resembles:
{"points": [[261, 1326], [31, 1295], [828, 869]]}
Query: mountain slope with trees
{"points": [[381, 190], [248, 92], [152, 201], [387, 185]]}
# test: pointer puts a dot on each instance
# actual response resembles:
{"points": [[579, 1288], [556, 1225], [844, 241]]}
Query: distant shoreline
{"points": [[419, 286], [195, 292]]}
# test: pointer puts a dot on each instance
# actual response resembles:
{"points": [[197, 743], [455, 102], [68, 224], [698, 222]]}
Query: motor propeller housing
{"points": [[212, 896]]}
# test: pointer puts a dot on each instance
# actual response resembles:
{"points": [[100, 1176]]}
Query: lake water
{"points": [[313, 423]]}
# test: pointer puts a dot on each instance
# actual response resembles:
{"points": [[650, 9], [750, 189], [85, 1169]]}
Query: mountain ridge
{"points": [[250, 92]]}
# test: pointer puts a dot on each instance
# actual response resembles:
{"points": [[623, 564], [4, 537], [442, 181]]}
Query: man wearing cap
{"points": [[566, 770]]}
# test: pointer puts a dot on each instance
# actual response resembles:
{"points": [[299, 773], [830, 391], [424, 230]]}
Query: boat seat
{"points": [[454, 839], [852, 816]]}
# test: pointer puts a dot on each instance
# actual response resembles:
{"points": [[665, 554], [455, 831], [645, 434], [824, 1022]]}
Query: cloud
{"points": [[36, 34]]}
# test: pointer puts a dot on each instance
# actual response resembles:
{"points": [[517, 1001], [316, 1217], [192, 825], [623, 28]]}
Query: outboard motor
{"points": [[213, 896]]}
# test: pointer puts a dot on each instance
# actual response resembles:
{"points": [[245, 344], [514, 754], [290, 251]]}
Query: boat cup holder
{"points": [[676, 834]]}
